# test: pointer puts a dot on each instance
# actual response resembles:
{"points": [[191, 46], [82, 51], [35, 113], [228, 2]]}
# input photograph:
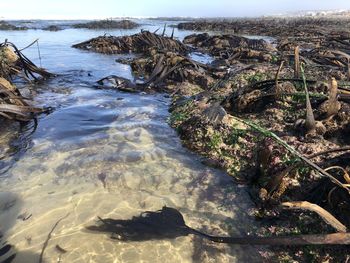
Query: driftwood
{"points": [[340, 149], [49, 237], [325, 215], [327, 239]]}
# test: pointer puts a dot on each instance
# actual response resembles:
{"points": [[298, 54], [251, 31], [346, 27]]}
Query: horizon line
{"points": [[62, 17]]}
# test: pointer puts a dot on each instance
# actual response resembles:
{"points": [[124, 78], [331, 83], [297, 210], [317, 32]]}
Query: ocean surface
{"points": [[109, 154]]}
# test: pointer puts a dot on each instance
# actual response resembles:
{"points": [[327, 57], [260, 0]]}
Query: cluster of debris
{"points": [[13, 105]]}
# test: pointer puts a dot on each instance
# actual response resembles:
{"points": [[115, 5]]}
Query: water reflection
{"points": [[15, 139]]}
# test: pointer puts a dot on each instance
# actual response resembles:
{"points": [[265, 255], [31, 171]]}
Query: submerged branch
{"points": [[49, 237]]}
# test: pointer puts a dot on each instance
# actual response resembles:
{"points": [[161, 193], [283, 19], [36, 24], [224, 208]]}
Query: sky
{"points": [[97, 9]]}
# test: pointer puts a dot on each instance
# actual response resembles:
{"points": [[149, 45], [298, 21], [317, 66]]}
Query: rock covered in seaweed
{"points": [[7, 26], [232, 47], [52, 28], [137, 43], [108, 24]]}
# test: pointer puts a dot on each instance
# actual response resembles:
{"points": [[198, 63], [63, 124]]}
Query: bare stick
{"points": [[321, 239], [49, 237], [341, 149], [296, 63], [31, 44], [326, 216]]}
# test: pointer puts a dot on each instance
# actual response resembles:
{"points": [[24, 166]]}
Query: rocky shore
{"points": [[107, 24], [268, 112], [272, 110]]}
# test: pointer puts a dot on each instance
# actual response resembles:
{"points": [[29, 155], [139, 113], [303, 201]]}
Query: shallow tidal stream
{"points": [[109, 154]]}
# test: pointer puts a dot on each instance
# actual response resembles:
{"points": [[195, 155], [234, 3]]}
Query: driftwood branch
{"points": [[49, 237], [328, 239], [296, 62], [325, 215], [340, 149]]}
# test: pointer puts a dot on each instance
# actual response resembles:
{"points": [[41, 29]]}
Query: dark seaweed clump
{"points": [[107, 24], [6, 26], [52, 28]]}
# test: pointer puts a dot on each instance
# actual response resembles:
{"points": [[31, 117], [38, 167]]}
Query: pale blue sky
{"points": [[77, 9]]}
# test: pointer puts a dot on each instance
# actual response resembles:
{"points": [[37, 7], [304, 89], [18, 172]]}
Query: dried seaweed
{"points": [[13, 105], [138, 43]]}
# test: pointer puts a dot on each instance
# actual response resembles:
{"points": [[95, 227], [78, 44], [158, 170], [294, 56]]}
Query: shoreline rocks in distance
{"points": [[269, 26], [108, 24], [7, 26], [53, 28]]}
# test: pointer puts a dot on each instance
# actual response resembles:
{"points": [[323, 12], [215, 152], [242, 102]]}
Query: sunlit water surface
{"points": [[124, 138]]}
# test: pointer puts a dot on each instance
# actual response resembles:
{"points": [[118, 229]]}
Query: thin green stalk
{"points": [[281, 142]]}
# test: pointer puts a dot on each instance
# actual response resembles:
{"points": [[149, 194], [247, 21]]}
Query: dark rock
{"points": [[6, 26], [108, 24], [52, 28]]}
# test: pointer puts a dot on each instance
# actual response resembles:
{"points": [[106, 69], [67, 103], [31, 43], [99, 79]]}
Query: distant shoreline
{"points": [[300, 14]]}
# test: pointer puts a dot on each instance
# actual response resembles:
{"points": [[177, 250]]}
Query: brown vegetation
{"points": [[13, 105], [137, 43]]}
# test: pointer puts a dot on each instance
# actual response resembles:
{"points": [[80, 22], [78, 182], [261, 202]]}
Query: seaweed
{"points": [[108, 24]]}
